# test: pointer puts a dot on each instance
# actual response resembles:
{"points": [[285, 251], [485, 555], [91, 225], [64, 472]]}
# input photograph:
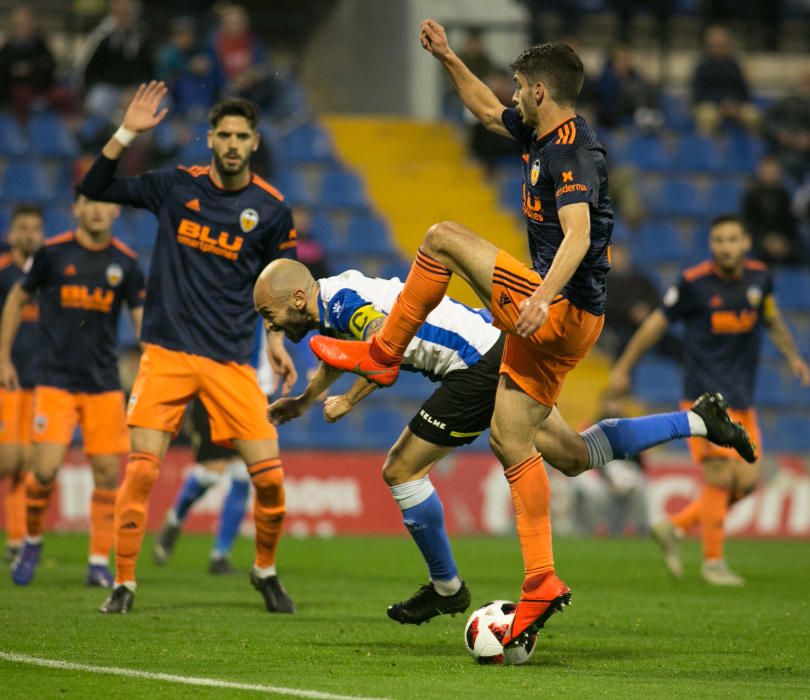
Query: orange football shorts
{"points": [[16, 414]]}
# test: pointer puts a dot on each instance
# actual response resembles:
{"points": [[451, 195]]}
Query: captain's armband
{"points": [[360, 320]]}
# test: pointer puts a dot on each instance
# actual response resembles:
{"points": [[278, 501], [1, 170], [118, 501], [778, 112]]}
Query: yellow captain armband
{"points": [[361, 318], [768, 307]]}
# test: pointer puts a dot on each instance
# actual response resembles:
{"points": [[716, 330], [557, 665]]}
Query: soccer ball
{"points": [[486, 629]]}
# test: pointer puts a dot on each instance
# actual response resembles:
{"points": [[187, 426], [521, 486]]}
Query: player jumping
{"points": [[17, 407], [724, 304], [82, 278], [219, 225], [458, 347]]}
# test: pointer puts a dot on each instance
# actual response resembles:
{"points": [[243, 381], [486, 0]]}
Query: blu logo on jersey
{"points": [[77, 296], [194, 235]]}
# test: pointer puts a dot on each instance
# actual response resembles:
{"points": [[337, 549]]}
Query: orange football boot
{"points": [[537, 603], [353, 356]]}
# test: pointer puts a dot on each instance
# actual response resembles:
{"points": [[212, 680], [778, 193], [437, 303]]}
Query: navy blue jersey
{"points": [[27, 343], [80, 293], [722, 320], [211, 246], [566, 166]]}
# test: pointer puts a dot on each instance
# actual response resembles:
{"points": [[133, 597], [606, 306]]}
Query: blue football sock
{"points": [[620, 438], [195, 485], [233, 511], [423, 515]]}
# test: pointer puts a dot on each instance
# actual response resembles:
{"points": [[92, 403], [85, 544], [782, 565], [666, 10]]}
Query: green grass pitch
{"points": [[631, 632]]}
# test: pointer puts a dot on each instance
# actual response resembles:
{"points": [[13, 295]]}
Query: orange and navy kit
{"points": [[566, 166], [16, 406], [723, 323], [80, 291]]}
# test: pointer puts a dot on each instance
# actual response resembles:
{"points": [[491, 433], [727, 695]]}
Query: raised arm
{"points": [[782, 338], [9, 326], [477, 97]]}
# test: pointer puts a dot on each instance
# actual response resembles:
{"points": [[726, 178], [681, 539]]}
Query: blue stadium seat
{"points": [[621, 232], [398, 268], [306, 144], [57, 220], [772, 389], [793, 289], [26, 182], [294, 188], [49, 137], [646, 152], [510, 194], [725, 197], [790, 434], [695, 153], [676, 198], [743, 152], [659, 242], [677, 115], [657, 381], [369, 234], [196, 151], [341, 189], [322, 229], [381, 427], [13, 139]]}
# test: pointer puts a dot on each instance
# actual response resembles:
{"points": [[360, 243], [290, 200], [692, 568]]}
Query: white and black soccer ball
{"points": [[485, 631]]}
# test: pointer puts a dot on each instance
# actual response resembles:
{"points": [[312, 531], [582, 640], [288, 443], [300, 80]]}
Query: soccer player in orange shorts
{"points": [[218, 226], [81, 278], [724, 304], [16, 407], [552, 314]]}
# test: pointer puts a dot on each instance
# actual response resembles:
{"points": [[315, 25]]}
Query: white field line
{"points": [[171, 678]]}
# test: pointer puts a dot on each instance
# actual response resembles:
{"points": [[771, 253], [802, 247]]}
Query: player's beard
{"points": [[297, 326], [230, 170]]}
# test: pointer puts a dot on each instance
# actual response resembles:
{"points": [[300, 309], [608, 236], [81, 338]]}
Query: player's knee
{"points": [[436, 238], [269, 486], [143, 470], [395, 471]]}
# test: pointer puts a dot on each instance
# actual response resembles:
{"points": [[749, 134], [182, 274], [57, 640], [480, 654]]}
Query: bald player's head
{"points": [[285, 295]]}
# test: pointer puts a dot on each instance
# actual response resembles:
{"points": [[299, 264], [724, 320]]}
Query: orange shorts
{"points": [[538, 364], [169, 379], [101, 417], [701, 449], [16, 414]]}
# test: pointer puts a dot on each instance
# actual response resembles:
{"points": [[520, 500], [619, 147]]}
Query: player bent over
{"points": [[724, 303], [218, 226], [17, 407], [459, 348], [82, 278]]}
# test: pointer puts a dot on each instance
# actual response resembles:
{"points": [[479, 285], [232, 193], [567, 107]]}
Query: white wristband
{"points": [[124, 136]]}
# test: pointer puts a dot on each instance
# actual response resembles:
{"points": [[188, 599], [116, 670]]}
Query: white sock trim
{"points": [[412, 493], [205, 477], [599, 450], [127, 584], [33, 540], [697, 427], [447, 588], [98, 560], [265, 572], [238, 471]]}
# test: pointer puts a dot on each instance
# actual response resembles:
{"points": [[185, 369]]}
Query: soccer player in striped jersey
{"points": [[218, 226], [724, 304], [459, 348]]}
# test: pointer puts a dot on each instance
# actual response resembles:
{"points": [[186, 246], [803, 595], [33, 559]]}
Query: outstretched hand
{"points": [[142, 114], [434, 38]]}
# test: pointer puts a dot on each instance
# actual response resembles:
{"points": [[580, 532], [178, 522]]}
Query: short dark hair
{"points": [[725, 219], [26, 210], [234, 107], [558, 66]]}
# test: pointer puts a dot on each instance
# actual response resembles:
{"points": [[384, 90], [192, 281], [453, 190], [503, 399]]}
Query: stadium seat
{"points": [[306, 144], [196, 151], [659, 242], [793, 289], [26, 182], [509, 193], [399, 268], [772, 389], [381, 427], [725, 197], [294, 188], [694, 153], [676, 198], [657, 381], [13, 139], [49, 137], [742, 153], [57, 220], [369, 234], [322, 229], [789, 434], [646, 152], [341, 189], [677, 115]]}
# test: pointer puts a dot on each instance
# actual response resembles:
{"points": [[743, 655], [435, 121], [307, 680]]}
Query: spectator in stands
{"points": [[768, 218], [490, 148], [475, 54], [719, 88], [191, 71], [27, 68], [116, 55], [244, 59], [787, 129], [623, 95], [631, 297], [309, 250]]}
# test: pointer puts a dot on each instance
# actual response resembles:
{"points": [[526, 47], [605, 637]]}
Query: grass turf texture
{"points": [[631, 632]]}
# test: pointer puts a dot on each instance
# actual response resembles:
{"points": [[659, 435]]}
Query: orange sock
{"points": [[268, 509], [37, 499], [15, 511], [714, 503], [531, 494], [688, 516], [131, 506], [102, 511], [423, 291]]}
